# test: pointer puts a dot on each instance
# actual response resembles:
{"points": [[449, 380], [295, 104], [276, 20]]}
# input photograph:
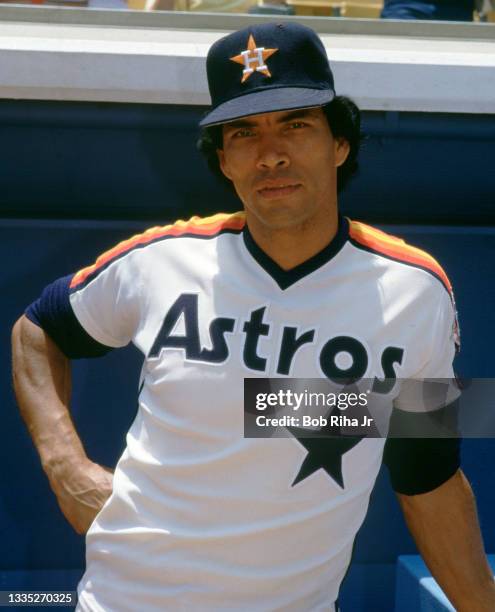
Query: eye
{"points": [[242, 133], [297, 125]]}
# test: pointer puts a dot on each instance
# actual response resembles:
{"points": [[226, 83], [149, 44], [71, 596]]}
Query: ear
{"points": [[342, 150], [223, 163]]}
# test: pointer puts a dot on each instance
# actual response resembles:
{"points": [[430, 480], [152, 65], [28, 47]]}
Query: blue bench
{"points": [[416, 589]]}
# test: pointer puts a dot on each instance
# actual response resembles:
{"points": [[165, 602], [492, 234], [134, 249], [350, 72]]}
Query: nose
{"points": [[272, 155]]}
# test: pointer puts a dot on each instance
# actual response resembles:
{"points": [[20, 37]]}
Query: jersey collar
{"points": [[286, 278]]}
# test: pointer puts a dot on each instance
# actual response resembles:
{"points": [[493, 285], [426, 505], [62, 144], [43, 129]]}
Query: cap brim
{"points": [[267, 101]]}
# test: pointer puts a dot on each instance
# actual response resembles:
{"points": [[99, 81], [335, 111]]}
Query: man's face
{"points": [[284, 166]]}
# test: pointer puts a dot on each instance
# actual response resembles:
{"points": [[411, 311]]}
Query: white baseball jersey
{"points": [[201, 518]]}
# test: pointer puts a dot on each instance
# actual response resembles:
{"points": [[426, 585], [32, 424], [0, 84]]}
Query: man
{"points": [[199, 517]]}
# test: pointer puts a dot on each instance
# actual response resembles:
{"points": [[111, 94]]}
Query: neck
{"points": [[290, 247]]}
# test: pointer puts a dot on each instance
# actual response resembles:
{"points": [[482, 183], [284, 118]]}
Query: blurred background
{"points": [[443, 10]]}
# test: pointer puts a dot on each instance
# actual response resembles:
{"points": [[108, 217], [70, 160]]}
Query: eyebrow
{"points": [[238, 123], [299, 113]]}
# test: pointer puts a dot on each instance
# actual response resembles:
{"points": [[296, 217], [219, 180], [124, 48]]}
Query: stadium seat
{"points": [[344, 8], [320, 8], [369, 9]]}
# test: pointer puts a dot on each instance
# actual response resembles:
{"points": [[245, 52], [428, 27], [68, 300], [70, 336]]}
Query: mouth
{"points": [[272, 192]]}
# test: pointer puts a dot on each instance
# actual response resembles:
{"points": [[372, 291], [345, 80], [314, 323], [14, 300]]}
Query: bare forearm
{"points": [[444, 524], [42, 383], [42, 387]]}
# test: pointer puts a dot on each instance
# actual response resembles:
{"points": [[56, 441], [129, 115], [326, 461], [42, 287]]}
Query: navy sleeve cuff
{"points": [[419, 465], [53, 312]]}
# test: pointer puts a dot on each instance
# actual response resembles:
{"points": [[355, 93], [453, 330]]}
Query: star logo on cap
{"points": [[253, 59]]}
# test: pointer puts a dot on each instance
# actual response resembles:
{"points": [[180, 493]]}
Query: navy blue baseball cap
{"points": [[264, 68]]}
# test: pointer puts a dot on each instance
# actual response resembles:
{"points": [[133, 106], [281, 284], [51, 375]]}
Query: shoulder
{"points": [[195, 227], [394, 249]]}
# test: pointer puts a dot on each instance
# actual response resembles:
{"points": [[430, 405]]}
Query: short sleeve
{"points": [[105, 298], [94, 310], [53, 313], [418, 461], [441, 336]]}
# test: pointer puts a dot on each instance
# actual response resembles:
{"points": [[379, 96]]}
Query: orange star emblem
{"points": [[253, 59]]}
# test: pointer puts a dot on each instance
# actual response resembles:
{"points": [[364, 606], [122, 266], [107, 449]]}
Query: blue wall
{"points": [[76, 178]]}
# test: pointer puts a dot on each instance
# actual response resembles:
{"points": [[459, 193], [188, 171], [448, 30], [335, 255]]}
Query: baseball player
{"points": [[196, 516]]}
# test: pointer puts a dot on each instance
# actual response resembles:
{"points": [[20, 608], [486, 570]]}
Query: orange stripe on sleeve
{"points": [[396, 248], [208, 226]]}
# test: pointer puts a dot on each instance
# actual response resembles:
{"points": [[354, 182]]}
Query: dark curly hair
{"points": [[343, 117]]}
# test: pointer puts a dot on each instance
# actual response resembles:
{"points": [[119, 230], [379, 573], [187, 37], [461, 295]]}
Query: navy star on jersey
{"points": [[324, 453]]}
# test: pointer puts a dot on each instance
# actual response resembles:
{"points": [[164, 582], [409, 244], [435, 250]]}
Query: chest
{"points": [[330, 329]]}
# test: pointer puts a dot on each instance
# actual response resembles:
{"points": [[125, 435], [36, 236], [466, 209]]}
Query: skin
{"points": [[288, 148], [444, 525], [42, 383], [284, 169]]}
